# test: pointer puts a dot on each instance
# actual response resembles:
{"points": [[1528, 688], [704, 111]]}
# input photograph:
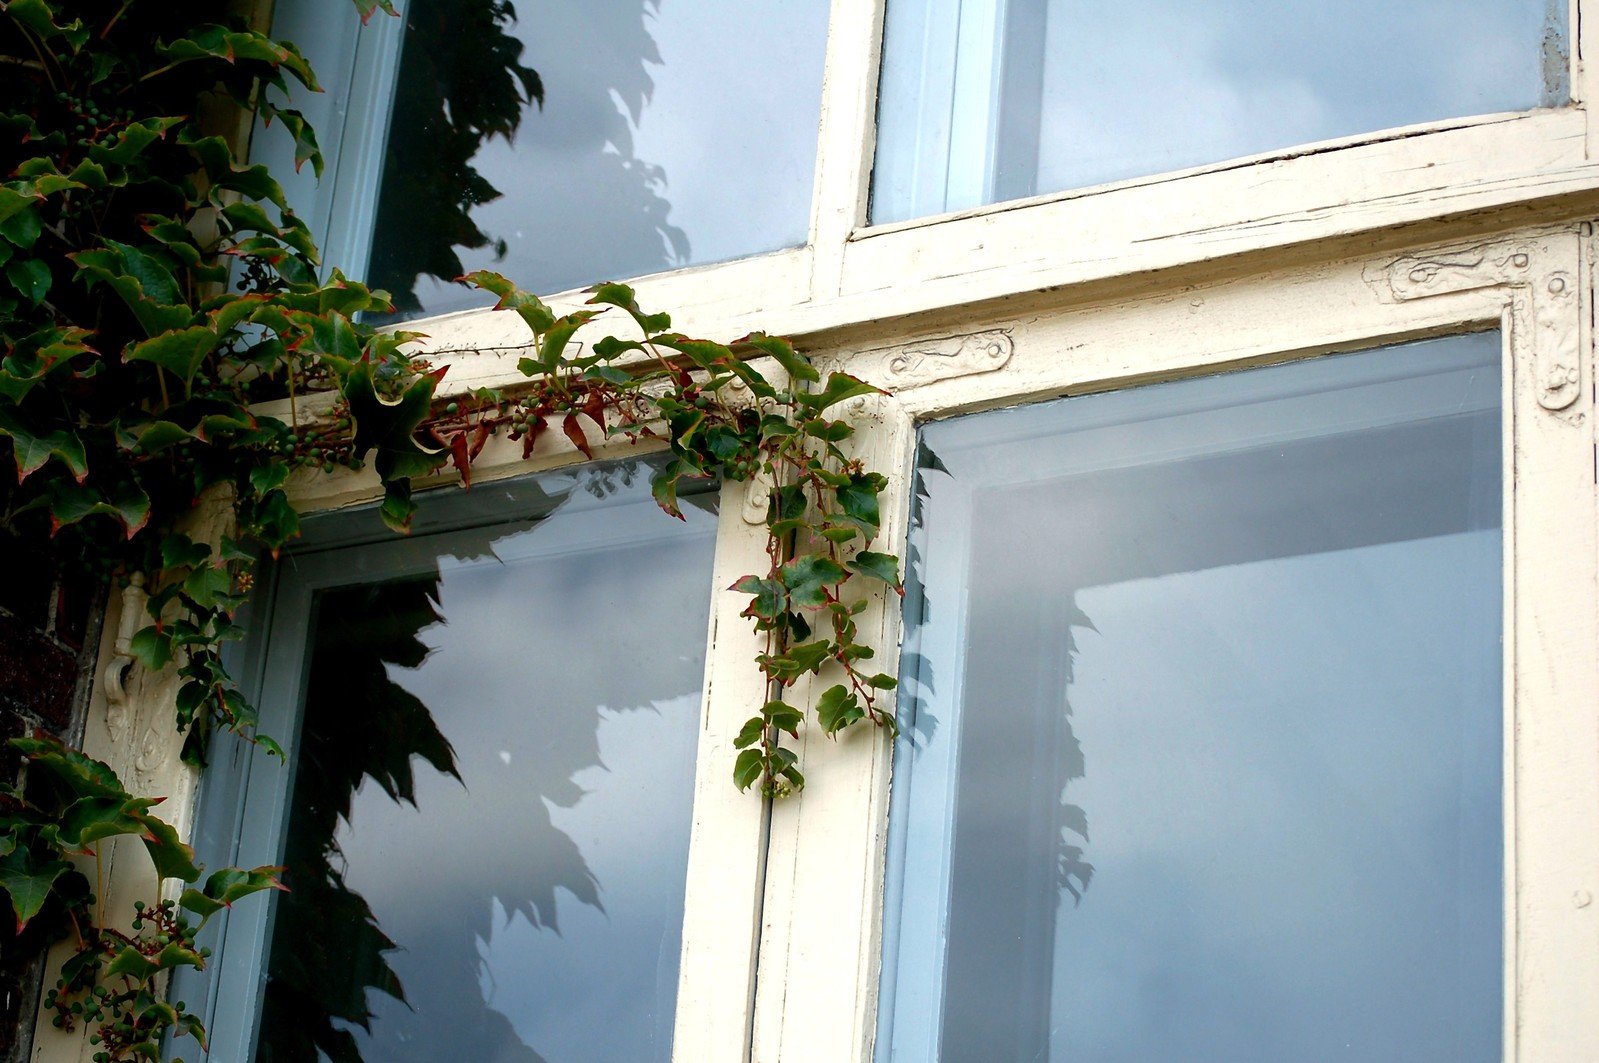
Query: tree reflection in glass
{"points": [[489, 830], [653, 116]]}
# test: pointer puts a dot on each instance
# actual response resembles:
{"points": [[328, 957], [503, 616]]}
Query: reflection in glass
{"points": [[1214, 765], [654, 134], [983, 101], [488, 836]]}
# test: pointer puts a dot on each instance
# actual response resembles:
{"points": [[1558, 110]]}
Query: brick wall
{"points": [[49, 634]]}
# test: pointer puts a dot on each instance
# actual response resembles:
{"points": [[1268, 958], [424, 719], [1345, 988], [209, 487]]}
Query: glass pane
{"points": [[489, 829], [1203, 755], [988, 100], [672, 132]]}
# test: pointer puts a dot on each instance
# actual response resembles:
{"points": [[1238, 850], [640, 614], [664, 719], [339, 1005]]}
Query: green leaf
{"points": [[28, 884], [30, 277], [209, 586], [70, 503], [130, 963], [808, 576], [89, 819], [839, 386], [179, 352], [747, 769], [837, 708], [770, 596], [879, 566], [781, 351], [622, 296], [151, 647], [153, 436], [32, 451], [172, 858], [858, 499], [783, 716], [559, 335], [753, 730], [397, 509], [267, 478], [539, 317]]}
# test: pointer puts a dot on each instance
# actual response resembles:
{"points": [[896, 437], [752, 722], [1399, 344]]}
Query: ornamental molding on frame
{"points": [[1541, 275], [911, 365]]}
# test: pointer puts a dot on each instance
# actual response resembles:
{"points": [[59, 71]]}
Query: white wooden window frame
{"points": [[1393, 235]]}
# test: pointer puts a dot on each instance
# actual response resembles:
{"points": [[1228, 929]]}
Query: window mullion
{"points": [[847, 135]]}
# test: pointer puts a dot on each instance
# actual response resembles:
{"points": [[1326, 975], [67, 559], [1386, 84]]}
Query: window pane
{"points": [[488, 837], [988, 100], [672, 132], [1203, 749]]}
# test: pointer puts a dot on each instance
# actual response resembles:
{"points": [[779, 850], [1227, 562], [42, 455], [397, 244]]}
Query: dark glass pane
{"points": [[671, 133], [1204, 736]]}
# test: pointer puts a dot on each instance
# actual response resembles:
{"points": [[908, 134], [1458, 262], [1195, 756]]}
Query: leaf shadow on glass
{"points": [[581, 204], [335, 980]]}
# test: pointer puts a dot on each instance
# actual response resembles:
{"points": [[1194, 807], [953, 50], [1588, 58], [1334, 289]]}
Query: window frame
{"points": [[822, 952], [1343, 245]]}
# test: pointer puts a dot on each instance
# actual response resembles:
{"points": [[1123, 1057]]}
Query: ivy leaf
{"points": [[30, 277], [574, 432], [230, 884], [753, 730], [153, 436], [179, 352], [367, 7], [839, 386], [28, 884], [807, 578], [529, 307], [269, 477], [748, 768], [209, 586], [31, 451], [858, 499], [837, 708], [70, 503], [397, 509], [783, 352], [172, 858], [89, 819], [39, 17], [770, 597], [130, 963], [151, 647], [879, 566], [783, 716], [559, 335], [622, 297]]}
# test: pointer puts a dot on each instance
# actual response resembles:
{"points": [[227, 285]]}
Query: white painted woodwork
{"points": [[1288, 255]]}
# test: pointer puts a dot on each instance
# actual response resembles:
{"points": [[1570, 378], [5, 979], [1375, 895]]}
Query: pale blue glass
{"points": [[1074, 93], [1203, 723], [487, 831]]}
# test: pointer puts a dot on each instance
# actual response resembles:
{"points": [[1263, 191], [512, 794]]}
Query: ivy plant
{"points": [[156, 289]]}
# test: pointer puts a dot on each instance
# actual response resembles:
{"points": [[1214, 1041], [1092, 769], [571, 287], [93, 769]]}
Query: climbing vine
{"points": [[156, 289]]}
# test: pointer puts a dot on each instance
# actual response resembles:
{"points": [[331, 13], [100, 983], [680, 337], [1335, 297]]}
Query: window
{"points": [[1294, 323], [986, 100], [564, 143], [1201, 755], [485, 836]]}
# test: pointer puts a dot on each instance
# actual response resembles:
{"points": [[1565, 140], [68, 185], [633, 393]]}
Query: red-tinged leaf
{"points": [[535, 429], [480, 436], [574, 432], [594, 409], [461, 458]]}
